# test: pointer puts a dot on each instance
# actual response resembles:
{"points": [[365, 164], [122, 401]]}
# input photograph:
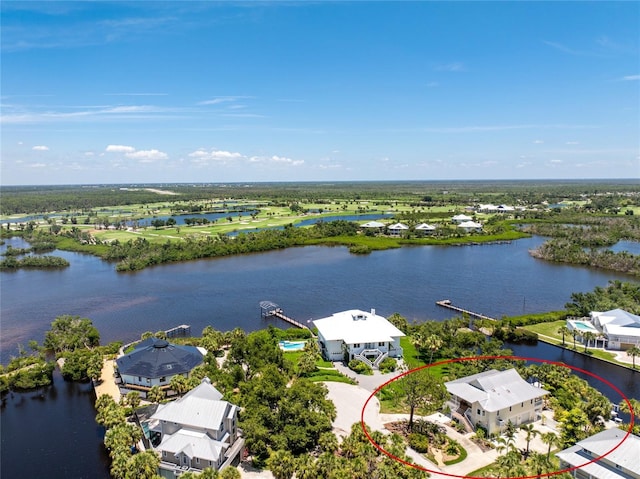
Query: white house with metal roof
{"points": [[461, 219], [470, 226], [425, 229], [197, 431], [622, 329], [355, 334], [618, 455], [493, 398], [397, 229]]}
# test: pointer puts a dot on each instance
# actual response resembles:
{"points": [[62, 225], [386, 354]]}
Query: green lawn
{"points": [[549, 332]]}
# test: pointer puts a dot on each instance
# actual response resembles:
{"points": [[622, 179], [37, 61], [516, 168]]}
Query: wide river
{"points": [[308, 283]]}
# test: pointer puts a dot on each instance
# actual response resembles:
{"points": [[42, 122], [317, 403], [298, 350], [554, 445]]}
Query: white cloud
{"points": [[146, 156], [282, 159], [37, 165], [40, 148], [223, 99], [451, 67], [538, 142], [572, 143], [203, 156], [120, 149], [630, 78]]}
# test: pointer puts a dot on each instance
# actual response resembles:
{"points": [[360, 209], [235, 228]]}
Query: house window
{"points": [[618, 466], [210, 463], [163, 379], [164, 453], [478, 412], [521, 404], [197, 460], [509, 408], [381, 344], [139, 378], [356, 345]]}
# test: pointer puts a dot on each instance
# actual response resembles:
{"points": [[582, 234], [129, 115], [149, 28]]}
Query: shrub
{"points": [[360, 249], [360, 367], [419, 442], [387, 365]]}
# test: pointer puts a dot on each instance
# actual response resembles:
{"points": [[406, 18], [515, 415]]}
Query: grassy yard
{"points": [[548, 332], [324, 369]]}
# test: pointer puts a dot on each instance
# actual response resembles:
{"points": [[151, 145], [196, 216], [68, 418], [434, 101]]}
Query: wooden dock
{"points": [[279, 314], [269, 309], [446, 303]]}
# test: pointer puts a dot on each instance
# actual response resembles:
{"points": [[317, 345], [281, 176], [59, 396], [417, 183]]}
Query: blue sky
{"points": [[124, 92]]}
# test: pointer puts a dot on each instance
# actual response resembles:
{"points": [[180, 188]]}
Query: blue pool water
{"points": [[292, 345]]}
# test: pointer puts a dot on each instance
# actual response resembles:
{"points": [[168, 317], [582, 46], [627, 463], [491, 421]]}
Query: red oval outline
{"points": [[518, 358]]}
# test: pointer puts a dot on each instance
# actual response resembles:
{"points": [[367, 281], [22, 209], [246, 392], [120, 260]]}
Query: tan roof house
{"points": [[492, 399]]}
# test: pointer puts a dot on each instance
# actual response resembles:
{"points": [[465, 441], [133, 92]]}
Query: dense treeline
{"points": [[42, 199], [563, 251], [140, 253], [11, 262], [581, 239], [589, 231], [617, 294]]}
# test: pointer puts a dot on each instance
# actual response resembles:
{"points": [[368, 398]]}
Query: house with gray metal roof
{"points": [[619, 327], [197, 431], [492, 399], [617, 453], [153, 362]]}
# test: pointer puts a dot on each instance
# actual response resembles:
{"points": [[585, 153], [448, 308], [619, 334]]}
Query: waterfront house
{"points": [[197, 431], [620, 328], [424, 229], [356, 334], [620, 462], [461, 219], [153, 362], [373, 225], [470, 226], [492, 399], [397, 229]]}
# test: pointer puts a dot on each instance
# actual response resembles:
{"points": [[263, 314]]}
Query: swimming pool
{"points": [[583, 326], [292, 345]]}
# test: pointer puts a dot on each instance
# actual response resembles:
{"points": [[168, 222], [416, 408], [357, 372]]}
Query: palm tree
{"points": [[433, 343], [564, 330], [551, 439], [574, 333], [143, 465], [539, 463], [230, 473], [155, 394], [633, 352], [587, 337], [531, 433], [282, 464]]}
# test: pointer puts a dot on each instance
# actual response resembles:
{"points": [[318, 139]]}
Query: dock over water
{"points": [[269, 309], [446, 303]]}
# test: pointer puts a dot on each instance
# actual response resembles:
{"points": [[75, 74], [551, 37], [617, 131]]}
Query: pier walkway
{"points": [[446, 303], [269, 309]]}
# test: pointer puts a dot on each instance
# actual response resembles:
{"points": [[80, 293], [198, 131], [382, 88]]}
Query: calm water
{"points": [[308, 283], [52, 434]]}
